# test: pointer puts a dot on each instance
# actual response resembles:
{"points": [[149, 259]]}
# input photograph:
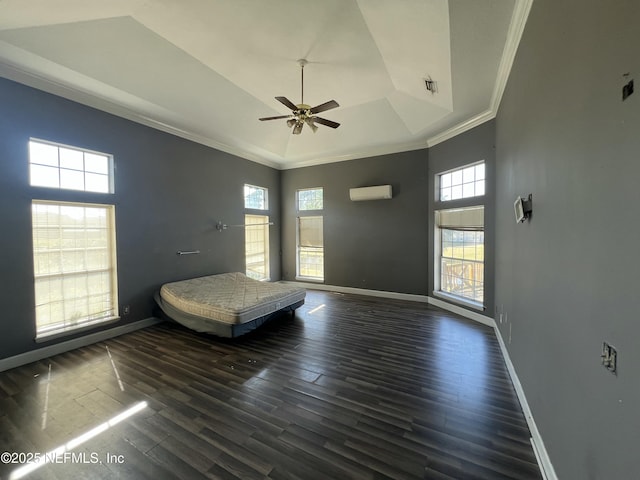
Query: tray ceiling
{"points": [[207, 70]]}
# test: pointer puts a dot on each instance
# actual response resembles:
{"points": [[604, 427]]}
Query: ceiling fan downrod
{"points": [[302, 62]]}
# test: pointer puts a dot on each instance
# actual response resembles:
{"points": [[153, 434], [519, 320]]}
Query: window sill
{"points": [[65, 332], [310, 279], [459, 300]]}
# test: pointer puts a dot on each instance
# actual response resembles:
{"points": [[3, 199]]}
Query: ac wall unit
{"points": [[379, 192]]}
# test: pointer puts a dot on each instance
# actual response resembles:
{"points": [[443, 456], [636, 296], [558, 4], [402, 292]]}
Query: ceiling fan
{"points": [[303, 113]]}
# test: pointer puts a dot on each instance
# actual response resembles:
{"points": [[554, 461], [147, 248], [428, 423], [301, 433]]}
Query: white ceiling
{"points": [[208, 69]]}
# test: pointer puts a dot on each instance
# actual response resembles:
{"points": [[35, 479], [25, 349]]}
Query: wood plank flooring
{"points": [[352, 387]]}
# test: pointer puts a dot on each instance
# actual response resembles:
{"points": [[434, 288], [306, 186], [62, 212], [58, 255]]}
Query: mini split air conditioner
{"points": [[379, 192]]}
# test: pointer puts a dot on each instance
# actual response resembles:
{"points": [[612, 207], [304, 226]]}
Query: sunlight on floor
{"points": [[62, 450]]}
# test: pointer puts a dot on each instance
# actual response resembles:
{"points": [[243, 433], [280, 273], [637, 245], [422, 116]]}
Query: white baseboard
{"points": [[362, 291], [51, 350], [544, 462], [402, 296], [470, 314]]}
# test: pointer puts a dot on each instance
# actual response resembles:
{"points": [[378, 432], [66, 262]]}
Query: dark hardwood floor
{"points": [[352, 387]]}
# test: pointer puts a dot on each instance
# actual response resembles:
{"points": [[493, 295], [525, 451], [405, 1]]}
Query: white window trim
{"points": [[87, 325], [459, 300], [308, 213], [317, 211], [438, 177], [110, 166], [266, 198], [267, 243], [437, 258]]}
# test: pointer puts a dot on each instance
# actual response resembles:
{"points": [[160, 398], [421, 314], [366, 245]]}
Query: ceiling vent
{"points": [[430, 85]]}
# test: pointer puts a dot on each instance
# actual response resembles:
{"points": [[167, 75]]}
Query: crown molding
{"points": [[372, 152], [514, 35], [519, 17], [63, 89], [461, 128], [94, 100]]}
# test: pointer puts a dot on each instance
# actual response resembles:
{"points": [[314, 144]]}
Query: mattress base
{"points": [[215, 327], [229, 297]]}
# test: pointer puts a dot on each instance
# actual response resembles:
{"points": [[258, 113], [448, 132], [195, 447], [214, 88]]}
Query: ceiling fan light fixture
{"points": [[303, 113], [309, 121]]}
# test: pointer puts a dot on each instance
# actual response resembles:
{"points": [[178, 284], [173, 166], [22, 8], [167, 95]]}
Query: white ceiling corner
{"points": [[207, 70]]}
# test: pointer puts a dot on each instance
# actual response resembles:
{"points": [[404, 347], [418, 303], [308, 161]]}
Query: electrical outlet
{"points": [[126, 310], [627, 90], [613, 360], [609, 357]]}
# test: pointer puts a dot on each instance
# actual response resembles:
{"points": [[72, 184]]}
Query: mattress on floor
{"points": [[231, 298]]}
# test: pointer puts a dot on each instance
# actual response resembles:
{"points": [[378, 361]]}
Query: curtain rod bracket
{"points": [[220, 226]]}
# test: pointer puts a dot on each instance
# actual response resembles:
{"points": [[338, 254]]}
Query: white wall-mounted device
{"points": [[378, 192], [523, 208]]}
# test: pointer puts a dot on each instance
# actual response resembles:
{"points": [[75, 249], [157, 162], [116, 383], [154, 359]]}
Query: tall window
{"points": [[310, 236], [60, 166], [256, 233], [460, 247], [74, 265], [74, 250], [463, 182]]}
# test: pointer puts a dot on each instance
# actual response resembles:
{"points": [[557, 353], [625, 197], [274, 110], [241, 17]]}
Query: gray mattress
{"points": [[227, 304]]}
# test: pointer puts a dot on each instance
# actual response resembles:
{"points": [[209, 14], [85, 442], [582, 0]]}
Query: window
{"points": [[310, 199], [257, 246], [256, 237], [310, 248], [256, 198], [310, 235], [460, 241], [74, 265], [464, 182], [58, 166]]}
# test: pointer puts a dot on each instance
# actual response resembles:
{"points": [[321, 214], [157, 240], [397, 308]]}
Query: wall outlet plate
{"points": [[609, 357], [627, 90]]}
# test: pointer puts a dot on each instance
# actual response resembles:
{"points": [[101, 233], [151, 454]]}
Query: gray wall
{"points": [[568, 279], [470, 147], [169, 194], [378, 245]]}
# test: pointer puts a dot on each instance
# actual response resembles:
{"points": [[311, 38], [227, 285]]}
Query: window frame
{"points": [[440, 184], [438, 256], [32, 162], [67, 325], [309, 213], [266, 197], [263, 212], [264, 230], [300, 190]]}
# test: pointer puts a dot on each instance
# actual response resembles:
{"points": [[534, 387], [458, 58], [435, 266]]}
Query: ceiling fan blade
{"points": [[324, 107], [298, 128], [274, 118], [324, 121], [287, 103]]}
